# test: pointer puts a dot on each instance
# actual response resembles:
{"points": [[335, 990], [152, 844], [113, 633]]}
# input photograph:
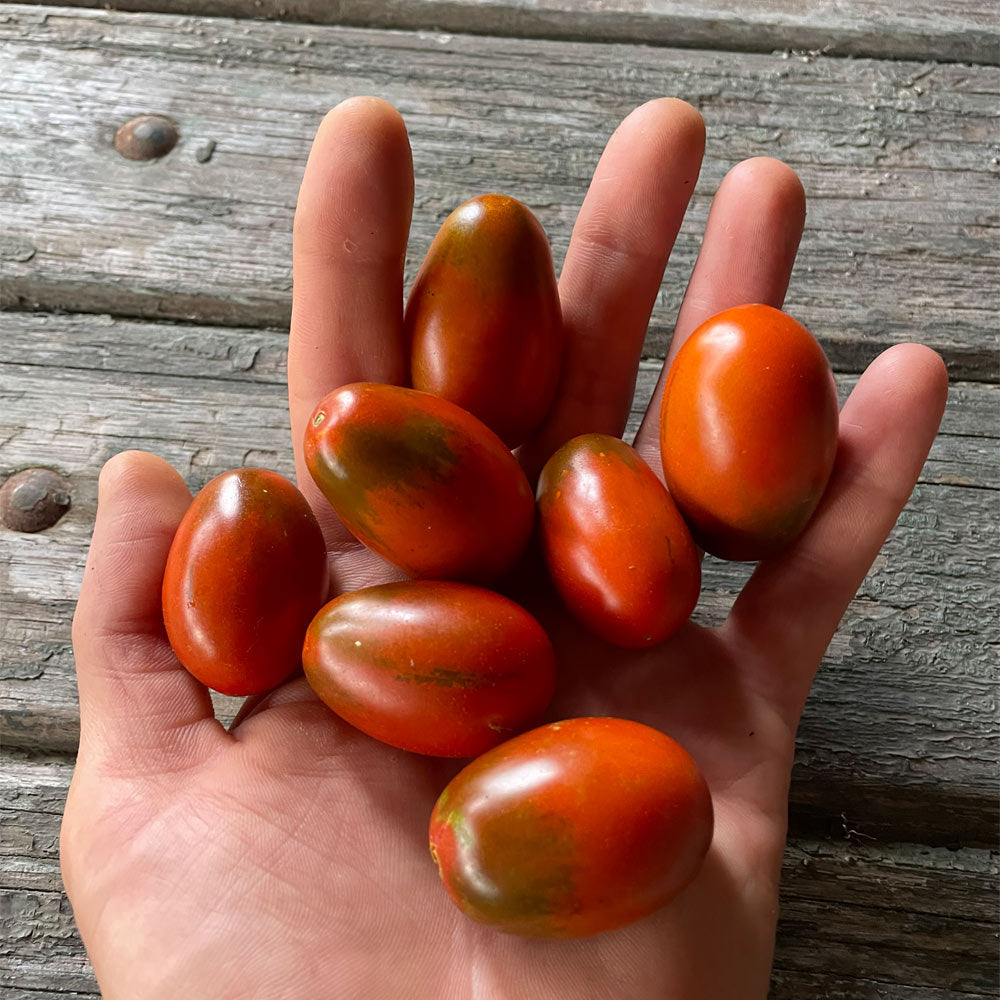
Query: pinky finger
{"points": [[790, 608]]}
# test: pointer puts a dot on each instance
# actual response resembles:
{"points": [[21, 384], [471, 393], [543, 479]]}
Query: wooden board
{"points": [[896, 157], [963, 30], [899, 734], [859, 921]]}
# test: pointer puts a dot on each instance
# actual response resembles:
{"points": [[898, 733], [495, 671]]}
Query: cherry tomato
{"points": [[483, 318], [571, 829], [245, 574], [420, 481], [748, 431], [617, 549], [438, 668]]}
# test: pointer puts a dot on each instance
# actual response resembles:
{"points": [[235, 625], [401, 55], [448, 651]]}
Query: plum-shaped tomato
{"points": [[617, 548], [245, 574], [748, 431], [433, 667], [573, 828], [483, 319], [420, 481]]}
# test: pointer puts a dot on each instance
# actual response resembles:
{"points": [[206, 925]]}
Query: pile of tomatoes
{"points": [[425, 477]]}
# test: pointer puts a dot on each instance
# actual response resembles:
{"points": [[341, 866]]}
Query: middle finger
{"points": [[619, 249]]}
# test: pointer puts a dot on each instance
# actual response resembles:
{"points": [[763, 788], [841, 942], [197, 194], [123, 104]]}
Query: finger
{"points": [[619, 248], [790, 608], [134, 693], [751, 238], [351, 227]]}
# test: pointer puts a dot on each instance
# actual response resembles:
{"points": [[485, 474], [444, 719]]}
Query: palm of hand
{"points": [[288, 857]]}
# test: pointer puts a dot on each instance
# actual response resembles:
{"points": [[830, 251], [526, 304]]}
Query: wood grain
{"points": [[961, 30], [898, 159], [858, 920], [899, 735]]}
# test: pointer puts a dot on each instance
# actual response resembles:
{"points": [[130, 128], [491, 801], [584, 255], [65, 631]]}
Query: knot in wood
{"points": [[34, 499], [147, 137]]}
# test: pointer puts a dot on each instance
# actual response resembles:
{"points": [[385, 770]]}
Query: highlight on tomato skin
{"points": [[245, 574], [483, 320], [748, 431], [617, 549], [420, 481], [432, 667], [572, 829]]}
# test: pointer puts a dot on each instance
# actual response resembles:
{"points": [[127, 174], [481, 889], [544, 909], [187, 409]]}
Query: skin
{"points": [[748, 431], [265, 860], [431, 667], [245, 574], [571, 829], [615, 545], [420, 482], [483, 319]]}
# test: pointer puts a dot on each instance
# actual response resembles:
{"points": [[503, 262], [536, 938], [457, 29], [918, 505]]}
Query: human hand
{"points": [[287, 857]]}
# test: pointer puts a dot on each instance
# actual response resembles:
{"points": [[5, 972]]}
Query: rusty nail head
{"points": [[147, 137], [33, 499]]}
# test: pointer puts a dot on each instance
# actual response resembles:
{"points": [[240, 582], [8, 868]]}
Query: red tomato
{"points": [[571, 829], [437, 668], [483, 318], [748, 431], [420, 481], [617, 549], [245, 574]]}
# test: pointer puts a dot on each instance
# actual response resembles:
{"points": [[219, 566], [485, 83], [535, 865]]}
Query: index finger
{"points": [[351, 226]]}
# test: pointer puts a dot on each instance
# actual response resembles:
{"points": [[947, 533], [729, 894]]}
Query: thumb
{"points": [[136, 698]]}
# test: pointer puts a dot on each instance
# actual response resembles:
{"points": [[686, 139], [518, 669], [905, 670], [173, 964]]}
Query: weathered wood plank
{"points": [[896, 158], [884, 920], [899, 735], [964, 455], [812, 986], [962, 30]]}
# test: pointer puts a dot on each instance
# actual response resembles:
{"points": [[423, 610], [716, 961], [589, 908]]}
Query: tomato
{"points": [[420, 481], [245, 574], [748, 431], [571, 829], [433, 667], [616, 547], [483, 319]]}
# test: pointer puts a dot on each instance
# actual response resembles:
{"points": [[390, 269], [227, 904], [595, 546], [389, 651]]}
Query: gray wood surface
{"points": [[962, 30], [889, 885], [925, 933], [898, 735], [899, 160]]}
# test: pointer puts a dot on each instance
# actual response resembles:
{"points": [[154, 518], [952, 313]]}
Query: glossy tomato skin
{"points": [[573, 828], [748, 431], [617, 548], [483, 319], [245, 574], [420, 481], [433, 667]]}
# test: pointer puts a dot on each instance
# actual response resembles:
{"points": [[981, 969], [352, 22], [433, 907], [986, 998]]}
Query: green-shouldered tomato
{"points": [[748, 431], [434, 667], [483, 319], [573, 828], [616, 547], [245, 574], [420, 481]]}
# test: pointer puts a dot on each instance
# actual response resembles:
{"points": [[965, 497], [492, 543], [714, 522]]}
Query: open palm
{"points": [[287, 857]]}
